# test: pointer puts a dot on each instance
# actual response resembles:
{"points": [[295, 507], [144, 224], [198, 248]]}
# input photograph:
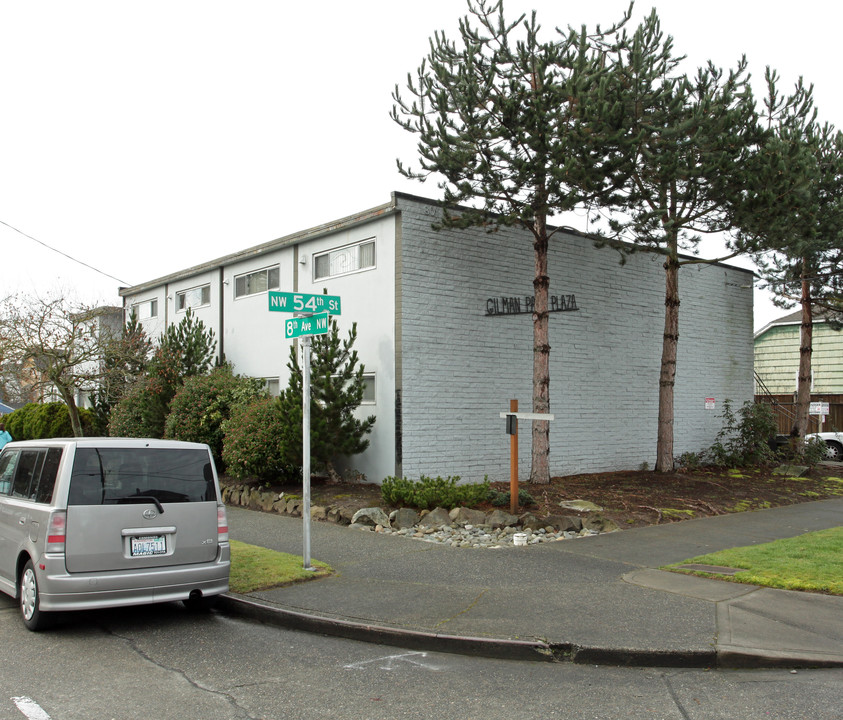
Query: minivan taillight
{"points": [[222, 524], [56, 531]]}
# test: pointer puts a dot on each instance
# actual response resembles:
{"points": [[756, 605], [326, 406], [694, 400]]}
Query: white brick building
{"points": [[445, 333]]}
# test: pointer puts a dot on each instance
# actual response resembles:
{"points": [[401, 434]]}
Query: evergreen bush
{"points": [[253, 442], [429, 493], [201, 406], [37, 421]]}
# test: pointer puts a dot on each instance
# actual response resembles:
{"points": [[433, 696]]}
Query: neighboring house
{"points": [[777, 367], [445, 333], [106, 322]]}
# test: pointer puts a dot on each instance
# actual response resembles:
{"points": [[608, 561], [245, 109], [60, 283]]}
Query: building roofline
{"points": [[379, 211], [270, 246], [793, 318]]}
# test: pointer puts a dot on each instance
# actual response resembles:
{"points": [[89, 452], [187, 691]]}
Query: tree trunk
{"points": [[540, 470], [73, 411], [806, 348], [667, 375]]}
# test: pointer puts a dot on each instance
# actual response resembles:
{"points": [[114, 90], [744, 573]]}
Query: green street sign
{"points": [[303, 302], [313, 325]]}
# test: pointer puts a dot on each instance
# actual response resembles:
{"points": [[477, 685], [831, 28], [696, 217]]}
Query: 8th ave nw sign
{"points": [[312, 325], [304, 303]]}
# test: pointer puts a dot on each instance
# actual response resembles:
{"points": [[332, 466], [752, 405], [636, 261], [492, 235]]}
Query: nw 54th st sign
{"points": [[304, 303]]}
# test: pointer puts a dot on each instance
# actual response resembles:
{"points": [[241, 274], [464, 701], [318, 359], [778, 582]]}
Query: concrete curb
{"points": [[725, 657], [410, 639]]}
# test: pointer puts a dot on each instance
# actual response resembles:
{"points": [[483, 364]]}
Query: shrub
{"points": [[336, 389], [429, 493], [46, 420], [501, 499], [204, 403], [252, 446], [18, 421], [131, 417], [744, 438]]}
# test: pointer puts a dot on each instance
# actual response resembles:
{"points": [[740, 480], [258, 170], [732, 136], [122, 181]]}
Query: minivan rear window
{"points": [[104, 476]]}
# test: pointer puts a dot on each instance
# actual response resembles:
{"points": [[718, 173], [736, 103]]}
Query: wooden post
{"points": [[513, 461]]}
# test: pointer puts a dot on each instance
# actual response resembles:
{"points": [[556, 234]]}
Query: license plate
{"points": [[148, 545]]}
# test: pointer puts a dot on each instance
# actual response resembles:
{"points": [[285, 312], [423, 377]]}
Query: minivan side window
{"points": [[104, 476], [44, 492], [8, 463], [29, 468]]}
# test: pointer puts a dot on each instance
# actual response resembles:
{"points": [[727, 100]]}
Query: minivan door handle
{"points": [[22, 520]]}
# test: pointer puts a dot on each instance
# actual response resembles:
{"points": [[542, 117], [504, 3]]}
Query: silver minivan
{"points": [[104, 522]]}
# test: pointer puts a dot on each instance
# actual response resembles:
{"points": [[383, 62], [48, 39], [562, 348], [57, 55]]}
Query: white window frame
{"points": [[272, 383], [183, 301], [146, 309], [371, 381], [334, 255], [252, 273]]}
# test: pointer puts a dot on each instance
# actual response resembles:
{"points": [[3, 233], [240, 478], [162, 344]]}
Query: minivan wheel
{"points": [[30, 600]]}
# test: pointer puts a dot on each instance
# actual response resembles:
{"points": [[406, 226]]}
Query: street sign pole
{"points": [[311, 317], [305, 444]]}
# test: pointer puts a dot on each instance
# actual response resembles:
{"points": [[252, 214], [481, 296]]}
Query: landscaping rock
{"points": [[467, 516], [370, 516], [437, 517], [565, 523], [528, 521], [294, 507], [791, 470], [599, 524], [499, 519], [404, 518], [267, 501], [580, 506]]}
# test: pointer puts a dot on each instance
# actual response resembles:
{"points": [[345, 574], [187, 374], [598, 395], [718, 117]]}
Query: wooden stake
{"points": [[513, 462]]}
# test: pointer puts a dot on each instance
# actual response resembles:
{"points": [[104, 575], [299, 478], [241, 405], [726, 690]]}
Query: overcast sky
{"points": [[141, 138]]}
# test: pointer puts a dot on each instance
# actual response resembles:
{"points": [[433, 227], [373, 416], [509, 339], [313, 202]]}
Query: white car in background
{"points": [[833, 444]]}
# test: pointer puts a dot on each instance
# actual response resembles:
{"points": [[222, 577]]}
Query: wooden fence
{"points": [[784, 409]]}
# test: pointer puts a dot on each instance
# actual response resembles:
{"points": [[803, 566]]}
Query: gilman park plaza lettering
{"points": [[527, 304]]}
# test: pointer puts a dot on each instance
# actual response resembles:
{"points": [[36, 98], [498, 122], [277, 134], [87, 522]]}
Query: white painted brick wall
{"points": [[461, 367]]}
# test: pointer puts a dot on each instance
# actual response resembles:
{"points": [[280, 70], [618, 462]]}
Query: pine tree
{"points": [[505, 125], [794, 225], [337, 386], [688, 142]]}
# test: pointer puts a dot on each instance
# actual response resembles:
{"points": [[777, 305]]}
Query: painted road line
{"points": [[31, 709]]}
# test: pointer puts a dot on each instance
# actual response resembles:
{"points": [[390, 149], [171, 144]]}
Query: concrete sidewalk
{"points": [[590, 600]]}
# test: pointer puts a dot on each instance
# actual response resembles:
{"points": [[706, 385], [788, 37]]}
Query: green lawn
{"points": [[812, 562], [256, 568]]}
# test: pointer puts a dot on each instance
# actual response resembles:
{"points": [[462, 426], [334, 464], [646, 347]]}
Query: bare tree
{"points": [[57, 344]]}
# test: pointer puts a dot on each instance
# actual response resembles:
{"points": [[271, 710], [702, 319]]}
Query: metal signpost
{"points": [[311, 318]]}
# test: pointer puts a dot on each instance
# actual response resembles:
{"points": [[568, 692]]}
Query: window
{"points": [[8, 463], [195, 297], [344, 260], [257, 282], [368, 389], [273, 386], [146, 310], [29, 469], [104, 476]]}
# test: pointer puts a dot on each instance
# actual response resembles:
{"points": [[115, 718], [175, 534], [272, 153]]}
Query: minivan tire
{"points": [[30, 600]]}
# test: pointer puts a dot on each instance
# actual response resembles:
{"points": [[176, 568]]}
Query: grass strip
{"points": [[811, 562], [257, 568]]}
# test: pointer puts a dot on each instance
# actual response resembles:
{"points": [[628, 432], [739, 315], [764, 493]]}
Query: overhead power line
{"points": [[69, 257]]}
